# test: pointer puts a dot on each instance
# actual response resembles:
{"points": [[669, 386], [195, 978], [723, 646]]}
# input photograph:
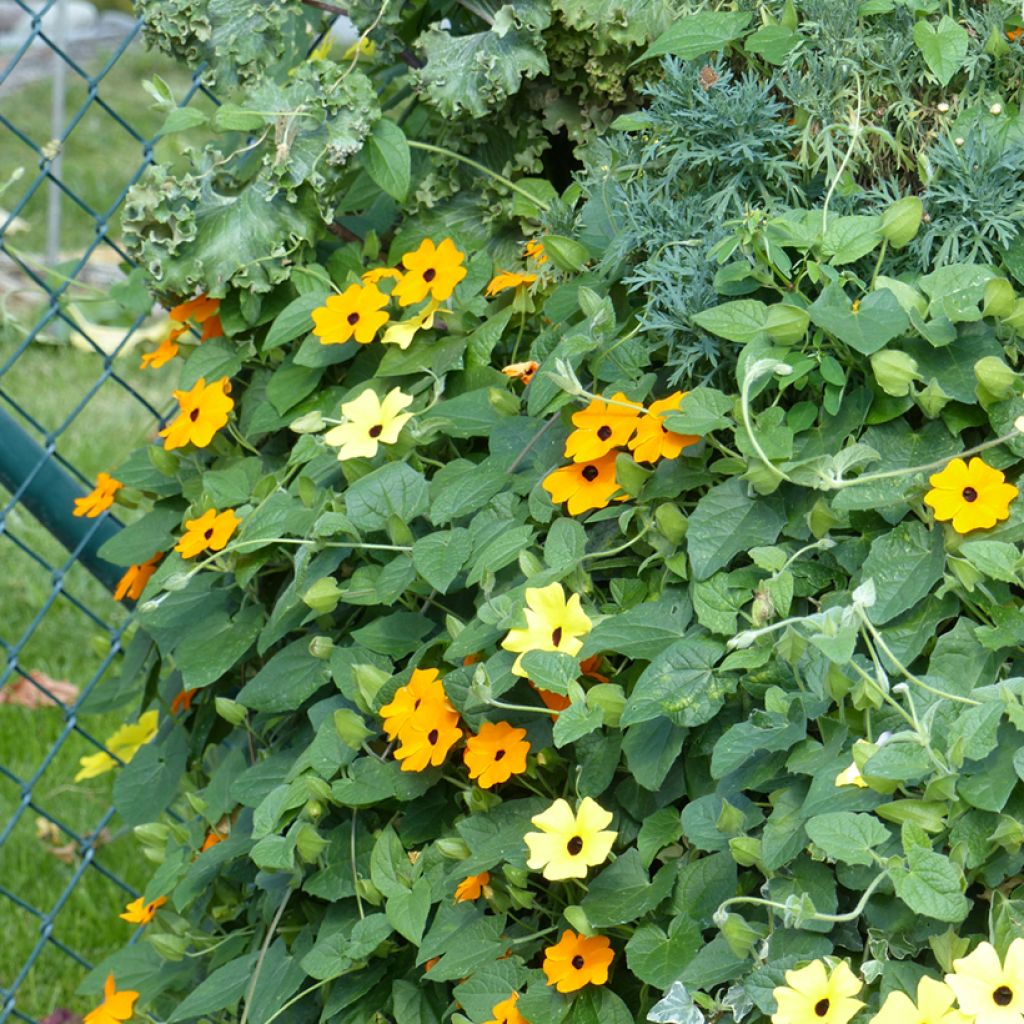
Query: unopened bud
{"points": [[309, 844], [958, 141], [230, 710], [943, 107], [996, 109], [894, 371], [901, 221], [672, 523], [308, 423], [995, 376], [610, 698], [321, 647], [786, 324], [1000, 298], [452, 847], [350, 727], [168, 947]]}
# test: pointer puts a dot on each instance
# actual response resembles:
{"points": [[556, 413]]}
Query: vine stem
{"points": [[291, 1002], [816, 916], [855, 130], [267, 939], [441, 151]]}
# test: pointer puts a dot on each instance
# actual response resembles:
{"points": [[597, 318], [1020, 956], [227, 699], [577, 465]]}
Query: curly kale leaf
{"points": [[189, 236], [239, 40], [475, 73], [615, 23]]}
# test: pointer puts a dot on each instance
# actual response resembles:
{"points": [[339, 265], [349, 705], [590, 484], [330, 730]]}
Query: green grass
{"points": [[48, 381]]}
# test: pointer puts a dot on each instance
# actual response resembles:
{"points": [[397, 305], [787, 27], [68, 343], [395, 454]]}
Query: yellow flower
{"points": [[355, 313], [534, 250], [974, 496], [653, 441], [164, 352], [552, 624], [601, 427], [472, 888], [123, 744], [382, 274], [851, 777], [210, 532], [369, 423], [116, 1007], [568, 844], [204, 410], [505, 1012], [401, 334], [430, 270], [363, 48], [99, 499], [523, 372], [140, 912], [812, 995], [506, 279], [133, 582], [584, 485], [575, 961], [934, 1006], [987, 990]]}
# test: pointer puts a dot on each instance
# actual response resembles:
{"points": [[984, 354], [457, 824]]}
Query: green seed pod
{"points": [[1000, 298], [308, 423], [452, 847], [739, 934], [672, 523], [231, 711], [996, 377], [323, 596], [745, 850], [321, 647], [168, 947], [350, 727], [900, 223], [1015, 319], [611, 699], [894, 371], [786, 324], [309, 844], [164, 462]]}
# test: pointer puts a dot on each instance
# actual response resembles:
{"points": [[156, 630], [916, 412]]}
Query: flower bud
{"points": [[671, 522], [308, 423], [763, 608], [901, 221], [999, 298], [321, 647], [369, 679], [959, 140], [452, 847], [996, 109], [350, 727], [995, 376], [786, 324], [151, 834], [943, 107], [177, 581], [577, 917], [745, 850], [163, 461], [502, 401], [739, 934], [1015, 320], [894, 371], [480, 801], [316, 788], [610, 698], [309, 844], [932, 399], [230, 710], [168, 947]]}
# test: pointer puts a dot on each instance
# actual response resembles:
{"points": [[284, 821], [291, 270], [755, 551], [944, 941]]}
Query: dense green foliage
{"points": [[825, 253]]}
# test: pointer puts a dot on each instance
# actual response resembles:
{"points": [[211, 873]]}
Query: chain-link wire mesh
{"points": [[73, 402]]}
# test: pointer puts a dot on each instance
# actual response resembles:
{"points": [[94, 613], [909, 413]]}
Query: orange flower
{"points": [[472, 888], [427, 738], [211, 840], [210, 532], [138, 912], [505, 1012], [575, 961], [506, 279], [99, 499], [589, 667], [165, 351], [199, 309], [133, 582], [1014, 34], [553, 701], [424, 689], [653, 441], [183, 701], [521, 371], [116, 1007], [534, 250], [212, 328], [355, 313], [204, 410], [430, 964], [584, 485], [601, 427], [473, 659], [431, 270], [496, 753]]}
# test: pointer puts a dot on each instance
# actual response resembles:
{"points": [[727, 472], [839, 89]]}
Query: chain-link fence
{"points": [[77, 129]]}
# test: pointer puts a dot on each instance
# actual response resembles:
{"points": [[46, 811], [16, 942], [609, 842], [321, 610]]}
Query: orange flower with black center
{"points": [[355, 313], [116, 1007], [430, 270], [99, 499], [496, 753], [133, 582], [575, 961], [653, 439], [183, 701], [423, 689], [210, 532], [601, 427], [427, 737], [584, 485], [165, 351], [472, 888], [140, 912], [199, 309], [204, 410], [523, 372], [505, 1012]]}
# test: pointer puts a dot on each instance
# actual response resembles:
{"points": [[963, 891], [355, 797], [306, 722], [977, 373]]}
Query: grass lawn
{"points": [[48, 381]]}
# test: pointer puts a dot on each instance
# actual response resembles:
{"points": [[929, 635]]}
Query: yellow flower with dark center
{"points": [[534, 250], [123, 744], [584, 485], [165, 351], [133, 582], [424, 688], [99, 499], [974, 496], [569, 844], [813, 995], [505, 1012], [601, 427], [987, 989], [369, 423], [506, 279], [575, 961], [140, 912], [472, 888], [496, 753], [552, 624], [653, 440], [430, 270], [427, 737], [355, 313], [116, 1007], [204, 410], [934, 1006], [210, 532]]}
